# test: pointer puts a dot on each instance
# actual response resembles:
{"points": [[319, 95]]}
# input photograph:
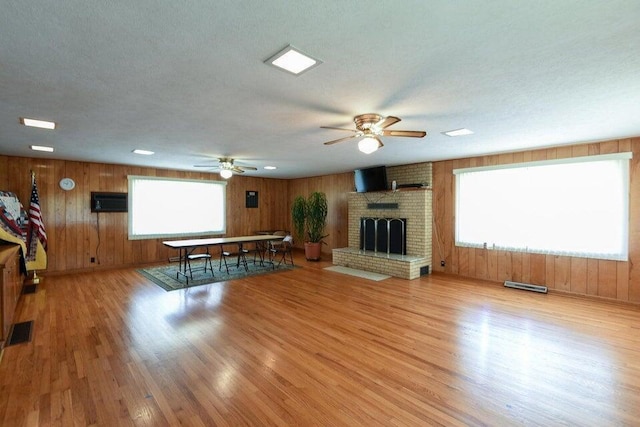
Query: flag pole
{"points": [[34, 279]]}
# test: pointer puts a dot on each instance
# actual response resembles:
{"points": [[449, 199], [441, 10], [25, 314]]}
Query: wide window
{"points": [[169, 207], [574, 207]]}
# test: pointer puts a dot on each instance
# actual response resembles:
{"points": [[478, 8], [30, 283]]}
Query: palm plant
{"points": [[316, 211], [310, 217]]}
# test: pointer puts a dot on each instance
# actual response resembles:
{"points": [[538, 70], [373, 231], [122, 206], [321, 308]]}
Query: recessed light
{"points": [[41, 148], [458, 132], [293, 60], [270, 168], [43, 124], [143, 152]]}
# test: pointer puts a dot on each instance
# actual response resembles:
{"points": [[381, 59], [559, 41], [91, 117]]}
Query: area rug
{"points": [[165, 275], [358, 273]]}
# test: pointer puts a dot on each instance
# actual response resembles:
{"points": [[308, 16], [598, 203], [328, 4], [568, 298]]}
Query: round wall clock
{"points": [[67, 184]]}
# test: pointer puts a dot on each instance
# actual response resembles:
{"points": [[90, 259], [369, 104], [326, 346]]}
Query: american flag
{"points": [[36, 226]]}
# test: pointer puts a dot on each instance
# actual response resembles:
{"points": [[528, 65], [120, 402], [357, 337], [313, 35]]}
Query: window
{"points": [[169, 207], [574, 207]]}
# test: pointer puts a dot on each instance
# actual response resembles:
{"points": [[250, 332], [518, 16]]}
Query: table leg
{"points": [[182, 267], [261, 248]]}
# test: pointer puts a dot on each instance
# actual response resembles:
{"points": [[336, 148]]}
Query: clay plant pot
{"points": [[312, 251]]}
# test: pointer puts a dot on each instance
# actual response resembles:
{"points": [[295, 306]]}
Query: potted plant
{"points": [[309, 220]]}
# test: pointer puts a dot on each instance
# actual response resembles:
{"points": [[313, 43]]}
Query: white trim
{"points": [[506, 244], [594, 158], [177, 234], [168, 178]]}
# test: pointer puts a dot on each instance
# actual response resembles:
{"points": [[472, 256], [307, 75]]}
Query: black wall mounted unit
{"points": [[109, 202], [252, 199], [382, 206]]}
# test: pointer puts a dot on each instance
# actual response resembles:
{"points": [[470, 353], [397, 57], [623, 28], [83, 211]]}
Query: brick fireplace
{"points": [[412, 206]]}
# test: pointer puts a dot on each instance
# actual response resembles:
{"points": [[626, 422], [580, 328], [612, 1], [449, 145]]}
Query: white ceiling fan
{"points": [[227, 167], [371, 127]]}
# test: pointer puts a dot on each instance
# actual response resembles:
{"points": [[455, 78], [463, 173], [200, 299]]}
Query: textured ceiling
{"points": [[187, 79]]}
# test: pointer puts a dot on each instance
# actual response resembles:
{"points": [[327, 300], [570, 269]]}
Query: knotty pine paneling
{"points": [[75, 234], [601, 278]]}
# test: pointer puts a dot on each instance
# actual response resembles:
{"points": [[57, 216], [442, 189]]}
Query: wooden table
{"points": [[186, 247]]}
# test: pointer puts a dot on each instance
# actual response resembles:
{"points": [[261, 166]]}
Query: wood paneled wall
{"points": [[75, 234], [73, 230], [602, 278], [337, 188]]}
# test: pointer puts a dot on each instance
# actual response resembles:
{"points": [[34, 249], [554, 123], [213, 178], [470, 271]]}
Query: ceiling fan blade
{"points": [[340, 140], [236, 169], [247, 168], [206, 166], [330, 127], [408, 133], [380, 144], [387, 121]]}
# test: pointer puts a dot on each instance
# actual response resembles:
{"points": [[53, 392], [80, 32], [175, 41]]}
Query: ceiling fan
{"points": [[227, 167], [371, 127]]}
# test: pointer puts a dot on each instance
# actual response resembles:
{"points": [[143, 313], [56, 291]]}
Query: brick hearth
{"points": [[413, 204]]}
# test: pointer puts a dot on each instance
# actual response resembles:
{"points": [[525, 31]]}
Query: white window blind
{"points": [[574, 207], [169, 207]]}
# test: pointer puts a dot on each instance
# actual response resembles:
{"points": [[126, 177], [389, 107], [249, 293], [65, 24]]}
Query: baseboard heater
{"points": [[525, 286]]}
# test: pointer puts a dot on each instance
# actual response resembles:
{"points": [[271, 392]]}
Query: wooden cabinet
{"points": [[10, 287]]}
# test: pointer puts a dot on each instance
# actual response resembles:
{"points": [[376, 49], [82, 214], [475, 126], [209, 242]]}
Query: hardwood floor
{"points": [[312, 347]]}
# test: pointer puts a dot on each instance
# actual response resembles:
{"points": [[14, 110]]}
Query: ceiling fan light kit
{"points": [[227, 168], [226, 173], [371, 127], [369, 144]]}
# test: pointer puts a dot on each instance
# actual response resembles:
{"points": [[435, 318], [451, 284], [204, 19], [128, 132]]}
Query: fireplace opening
{"points": [[386, 235]]}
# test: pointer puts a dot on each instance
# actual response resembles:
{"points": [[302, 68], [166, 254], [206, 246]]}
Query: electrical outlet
{"points": [[442, 263], [93, 259]]}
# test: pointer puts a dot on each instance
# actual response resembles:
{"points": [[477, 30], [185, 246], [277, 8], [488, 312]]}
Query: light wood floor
{"points": [[312, 347]]}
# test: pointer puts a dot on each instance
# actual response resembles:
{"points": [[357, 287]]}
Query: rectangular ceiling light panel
{"points": [[41, 148], [293, 60], [143, 152], [43, 124], [458, 132]]}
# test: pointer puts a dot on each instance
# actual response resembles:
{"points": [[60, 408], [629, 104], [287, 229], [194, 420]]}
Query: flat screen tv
{"points": [[371, 179]]}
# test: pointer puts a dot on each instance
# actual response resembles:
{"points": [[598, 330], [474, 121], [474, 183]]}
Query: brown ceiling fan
{"points": [[371, 127], [227, 167]]}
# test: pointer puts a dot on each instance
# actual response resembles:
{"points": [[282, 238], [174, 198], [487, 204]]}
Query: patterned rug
{"points": [[167, 278]]}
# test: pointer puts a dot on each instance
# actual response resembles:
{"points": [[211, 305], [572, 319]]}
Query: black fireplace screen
{"points": [[387, 235]]}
